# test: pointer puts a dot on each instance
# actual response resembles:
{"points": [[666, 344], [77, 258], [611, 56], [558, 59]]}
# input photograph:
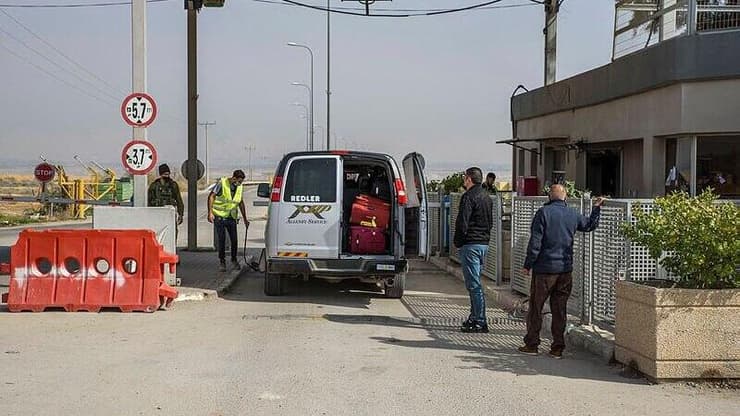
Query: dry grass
{"points": [[14, 213]]}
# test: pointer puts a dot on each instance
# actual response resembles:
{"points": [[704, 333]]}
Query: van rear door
{"points": [[310, 208], [417, 209]]}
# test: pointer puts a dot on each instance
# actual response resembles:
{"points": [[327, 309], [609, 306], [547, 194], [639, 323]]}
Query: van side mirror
{"points": [[263, 190]]}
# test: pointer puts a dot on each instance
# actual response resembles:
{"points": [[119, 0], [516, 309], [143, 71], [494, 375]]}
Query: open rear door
{"points": [[417, 209], [310, 207]]}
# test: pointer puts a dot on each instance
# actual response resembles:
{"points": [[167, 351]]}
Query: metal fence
{"points": [[435, 212], [639, 24], [454, 210], [600, 258]]}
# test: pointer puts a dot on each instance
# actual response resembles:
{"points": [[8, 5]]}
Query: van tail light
{"points": [[403, 199], [277, 184]]}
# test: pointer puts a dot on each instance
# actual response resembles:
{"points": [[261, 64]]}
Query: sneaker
{"points": [[222, 266], [556, 354], [469, 327], [528, 350], [235, 265]]}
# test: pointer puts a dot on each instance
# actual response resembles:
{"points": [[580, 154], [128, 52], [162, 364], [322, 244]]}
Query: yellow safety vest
{"points": [[225, 205]]}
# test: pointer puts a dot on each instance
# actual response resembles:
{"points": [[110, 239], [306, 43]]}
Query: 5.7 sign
{"points": [[139, 110]]}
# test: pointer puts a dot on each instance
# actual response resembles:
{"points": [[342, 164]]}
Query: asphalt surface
{"points": [[324, 349]]}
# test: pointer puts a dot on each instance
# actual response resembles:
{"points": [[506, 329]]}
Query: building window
{"points": [[718, 165], [520, 163], [533, 164], [307, 181], [679, 160]]}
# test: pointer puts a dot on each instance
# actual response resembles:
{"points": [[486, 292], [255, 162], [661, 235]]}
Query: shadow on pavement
{"points": [[440, 315], [347, 293]]}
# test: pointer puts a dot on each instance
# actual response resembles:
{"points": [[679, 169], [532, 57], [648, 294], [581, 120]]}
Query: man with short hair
{"points": [[472, 235], [223, 201], [165, 192], [490, 184], [550, 258]]}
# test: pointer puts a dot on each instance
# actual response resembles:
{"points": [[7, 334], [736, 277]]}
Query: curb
{"points": [[189, 294], [587, 338]]}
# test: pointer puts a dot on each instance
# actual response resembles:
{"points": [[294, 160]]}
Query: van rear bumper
{"points": [[338, 267]]}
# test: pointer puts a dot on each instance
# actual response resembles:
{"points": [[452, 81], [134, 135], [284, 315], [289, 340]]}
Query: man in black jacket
{"points": [[550, 258], [472, 234]]}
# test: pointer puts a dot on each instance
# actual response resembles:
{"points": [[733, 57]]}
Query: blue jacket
{"points": [[550, 249]]}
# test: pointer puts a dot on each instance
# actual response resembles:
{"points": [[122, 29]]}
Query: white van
{"points": [[308, 229]]}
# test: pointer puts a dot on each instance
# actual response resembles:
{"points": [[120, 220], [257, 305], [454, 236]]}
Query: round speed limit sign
{"points": [[139, 110], [139, 157]]}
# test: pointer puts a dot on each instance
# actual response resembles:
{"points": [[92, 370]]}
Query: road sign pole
{"points": [[138, 66], [192, 129]]}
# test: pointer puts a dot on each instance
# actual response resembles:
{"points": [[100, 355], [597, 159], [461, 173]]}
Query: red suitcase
{"points": [[366, 240], [366, 208]]}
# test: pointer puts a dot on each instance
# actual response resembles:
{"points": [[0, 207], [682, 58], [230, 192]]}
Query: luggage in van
{"points": [[366, 240], [367, 209]]}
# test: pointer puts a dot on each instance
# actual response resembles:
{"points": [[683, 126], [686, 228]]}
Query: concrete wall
{"points": [[678, 333]]}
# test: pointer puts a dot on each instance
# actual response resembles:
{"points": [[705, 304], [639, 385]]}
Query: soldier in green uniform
{"points": [[164, 191]]}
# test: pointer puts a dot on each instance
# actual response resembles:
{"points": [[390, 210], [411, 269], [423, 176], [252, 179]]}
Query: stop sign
{"points": [[44, 172]]}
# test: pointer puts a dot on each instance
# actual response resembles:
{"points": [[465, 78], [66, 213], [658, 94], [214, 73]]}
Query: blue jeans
{"points": [[472, 257]]}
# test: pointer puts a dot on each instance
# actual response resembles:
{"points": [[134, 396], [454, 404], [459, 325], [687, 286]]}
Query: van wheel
{"points": [[395, 291], [274, 284]]}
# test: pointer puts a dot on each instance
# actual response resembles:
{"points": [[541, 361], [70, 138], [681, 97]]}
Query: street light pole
{"points": [[309, 130], [249, 149], [318, 126], [310, 121], [310, 88], [208, 163], [328, 76]]}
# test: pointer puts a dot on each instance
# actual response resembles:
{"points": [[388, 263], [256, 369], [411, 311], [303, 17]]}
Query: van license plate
{"points": [[387, 267]]}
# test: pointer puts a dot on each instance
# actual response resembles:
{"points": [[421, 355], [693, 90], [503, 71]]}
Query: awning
{"points": [[515, 142]]}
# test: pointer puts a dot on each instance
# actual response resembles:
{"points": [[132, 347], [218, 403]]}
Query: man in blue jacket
{"points": [[550, 259], [472, 234]]}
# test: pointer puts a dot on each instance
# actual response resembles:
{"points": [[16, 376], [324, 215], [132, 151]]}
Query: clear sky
{"points": [[438, 85]]}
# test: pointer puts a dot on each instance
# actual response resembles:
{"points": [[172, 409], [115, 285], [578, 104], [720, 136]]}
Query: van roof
{"points": [[335, 152], [351, 153]]}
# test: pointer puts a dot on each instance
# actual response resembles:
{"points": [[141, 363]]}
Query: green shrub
{"points": [[453, 183], [700, 237]]}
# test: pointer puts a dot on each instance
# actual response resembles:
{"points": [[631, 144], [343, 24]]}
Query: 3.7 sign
{"points": [[139, 110], [139, 157]]}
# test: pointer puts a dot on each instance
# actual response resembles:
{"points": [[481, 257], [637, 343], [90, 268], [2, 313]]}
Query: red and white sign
{"points": [[139, 157], [139, 110], [44, 172]]}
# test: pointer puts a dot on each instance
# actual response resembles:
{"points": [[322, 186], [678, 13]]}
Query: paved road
{"points": [[323, 350]]}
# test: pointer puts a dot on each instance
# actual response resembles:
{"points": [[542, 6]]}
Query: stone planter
{"points": [[678, 333]]}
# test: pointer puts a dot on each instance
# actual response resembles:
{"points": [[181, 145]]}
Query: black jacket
{"points": [[550, 249], [475, 219]]}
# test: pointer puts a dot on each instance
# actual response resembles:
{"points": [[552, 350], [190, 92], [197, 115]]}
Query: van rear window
{"points": [[312, 180]]}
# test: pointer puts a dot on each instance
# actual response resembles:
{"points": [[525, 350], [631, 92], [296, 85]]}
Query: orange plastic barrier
{"points": [[86, 270]]}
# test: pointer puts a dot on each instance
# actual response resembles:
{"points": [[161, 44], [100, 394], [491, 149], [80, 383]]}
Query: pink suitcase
{"points": [[366, 240]]}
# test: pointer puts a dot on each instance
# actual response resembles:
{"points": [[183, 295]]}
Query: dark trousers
{"points": [[222, 226], [557, 287]]}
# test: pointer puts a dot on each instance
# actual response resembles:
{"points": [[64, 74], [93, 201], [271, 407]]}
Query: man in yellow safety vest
{"points": [[225, 197]]}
